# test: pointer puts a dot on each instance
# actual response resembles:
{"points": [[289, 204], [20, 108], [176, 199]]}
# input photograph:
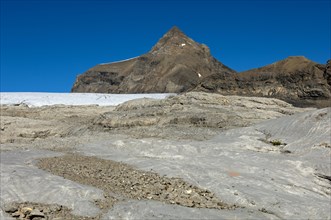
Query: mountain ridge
{"points": [[176, 64], [295, 79]]}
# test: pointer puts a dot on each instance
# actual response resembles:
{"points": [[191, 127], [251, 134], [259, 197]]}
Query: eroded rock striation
{"points": [[198, 115]]}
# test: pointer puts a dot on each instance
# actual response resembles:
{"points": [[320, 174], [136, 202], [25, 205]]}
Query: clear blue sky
{"points": [[46, 44]]}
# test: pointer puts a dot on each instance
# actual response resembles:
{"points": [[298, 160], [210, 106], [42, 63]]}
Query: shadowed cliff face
{"points": [[175, 64], [294, 79]]}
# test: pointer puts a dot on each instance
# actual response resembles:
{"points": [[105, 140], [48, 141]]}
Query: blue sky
{"points": [[46, 44]]}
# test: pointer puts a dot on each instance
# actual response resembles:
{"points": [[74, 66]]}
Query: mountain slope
{"points": [[294, 79], [175, 64]]}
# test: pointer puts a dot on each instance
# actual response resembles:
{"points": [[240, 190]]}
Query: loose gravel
{"points": [[123, 181]]}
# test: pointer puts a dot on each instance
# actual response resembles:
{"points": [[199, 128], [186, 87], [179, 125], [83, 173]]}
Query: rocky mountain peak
{"points": [[175, 42], [302, 58], [175, 64], [175, 31]]}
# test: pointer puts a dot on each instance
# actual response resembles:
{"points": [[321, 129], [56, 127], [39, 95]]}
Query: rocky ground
{"points": [[123, 180], [195, 155], [28, 210]]}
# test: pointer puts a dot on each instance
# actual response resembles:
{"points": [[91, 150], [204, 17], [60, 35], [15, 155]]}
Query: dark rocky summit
{"points": [[178, 64], [175, 64]]}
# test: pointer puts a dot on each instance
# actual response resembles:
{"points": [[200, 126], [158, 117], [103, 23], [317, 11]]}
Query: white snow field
{"points": [[37, 99]]}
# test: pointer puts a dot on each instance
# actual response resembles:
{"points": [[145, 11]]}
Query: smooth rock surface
{"points": [[267, 180], [276, 167]]}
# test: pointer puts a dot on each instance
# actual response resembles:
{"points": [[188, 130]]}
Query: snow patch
{"points": [[41, 99], [119, 61]]}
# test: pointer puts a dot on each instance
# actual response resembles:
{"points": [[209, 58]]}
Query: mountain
{"points": [[296, 79], [175, 64], [178, 64]]}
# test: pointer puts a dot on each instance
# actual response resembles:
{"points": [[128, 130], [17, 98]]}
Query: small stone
{"points": [[189, 191], [26, 210], [190, 203], [36, 213], [55, 208], [16, 214], [208, 204], [170, 189], [45, 210], [285, 151], [11, 208]]}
